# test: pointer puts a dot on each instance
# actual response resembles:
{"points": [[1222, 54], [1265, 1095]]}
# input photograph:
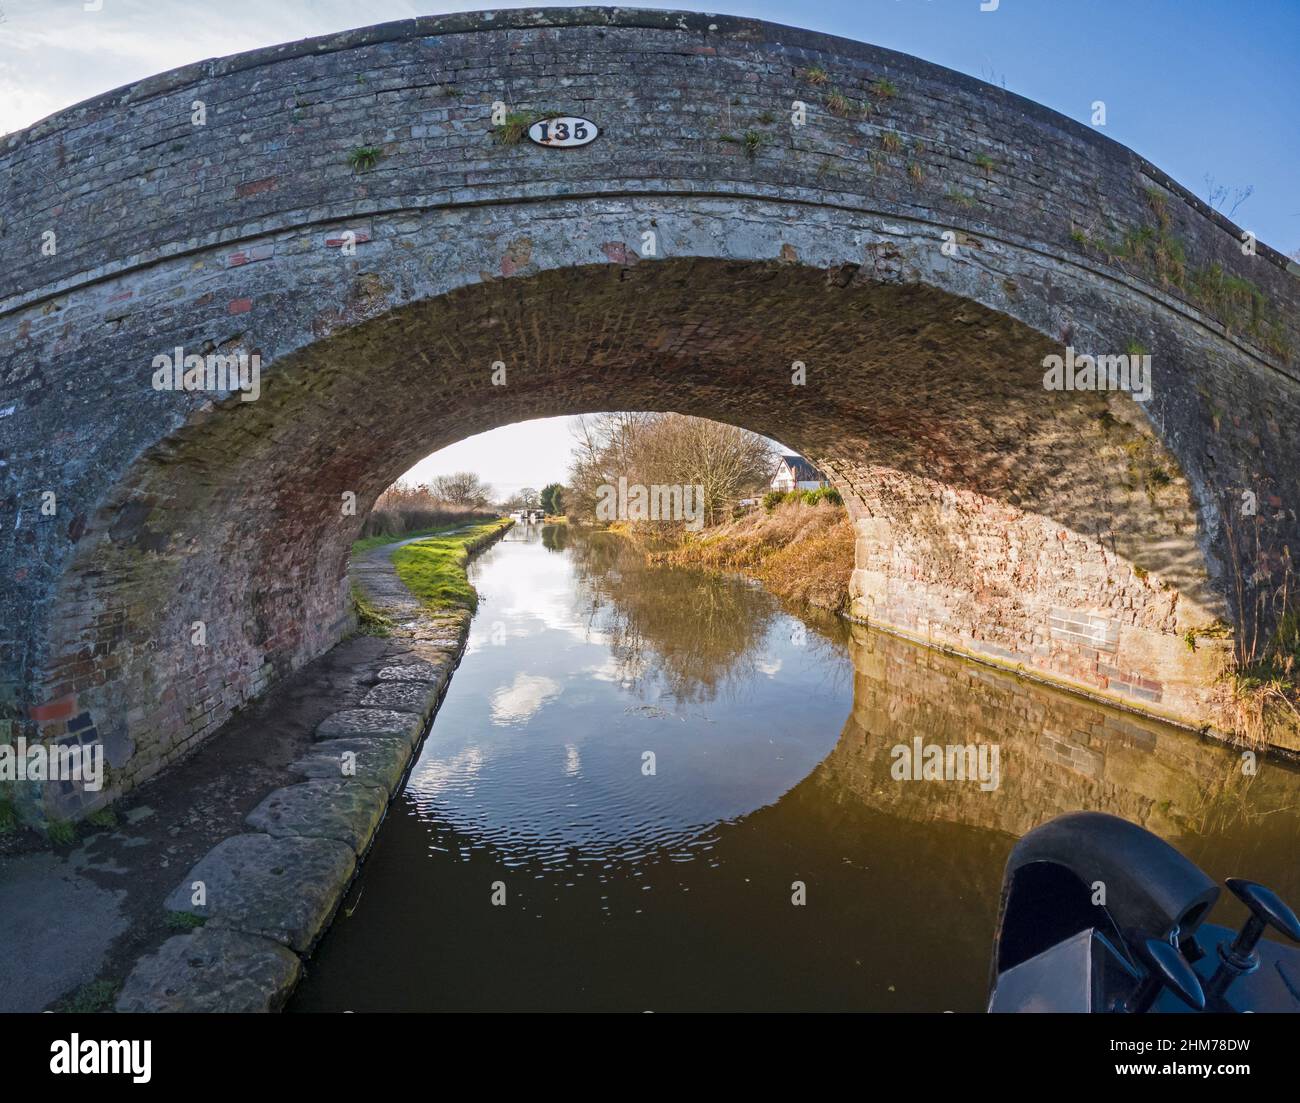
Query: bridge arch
{"points": [[921, 279]]}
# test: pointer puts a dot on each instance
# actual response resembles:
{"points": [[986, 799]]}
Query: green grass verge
{"points": [[434, 569], [370, 621], [369, 543]]}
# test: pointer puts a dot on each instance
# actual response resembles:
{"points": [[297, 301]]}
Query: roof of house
{"points": [[802, 470]]}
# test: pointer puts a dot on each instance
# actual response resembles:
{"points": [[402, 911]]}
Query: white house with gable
{"points": [[796, 473]]}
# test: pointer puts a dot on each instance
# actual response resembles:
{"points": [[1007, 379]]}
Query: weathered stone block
{"points": [[375, 760], [417, 697], [351, 723], [346, 810], [212, 970], [1087, 629], [280, 888], [414, 672]]}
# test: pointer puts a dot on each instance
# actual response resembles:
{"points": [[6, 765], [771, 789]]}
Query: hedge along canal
{"points": [[259, 901]]}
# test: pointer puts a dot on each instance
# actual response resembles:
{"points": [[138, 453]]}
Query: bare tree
{"points": [[666, 449], [603, 450], [463, 488], [728, 462]]}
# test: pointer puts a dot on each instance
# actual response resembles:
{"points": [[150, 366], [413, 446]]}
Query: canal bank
{"points": [[106, 897], [264, 897]]}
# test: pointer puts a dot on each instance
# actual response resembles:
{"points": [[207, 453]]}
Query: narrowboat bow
{"points": [[1100, 915]]}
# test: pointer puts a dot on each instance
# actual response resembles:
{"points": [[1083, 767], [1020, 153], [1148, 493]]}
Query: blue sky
{"points": [[1196, 87], [1200, 88]]}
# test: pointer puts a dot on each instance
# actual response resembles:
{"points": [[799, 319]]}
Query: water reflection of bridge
{"points": [[1059, 753]]}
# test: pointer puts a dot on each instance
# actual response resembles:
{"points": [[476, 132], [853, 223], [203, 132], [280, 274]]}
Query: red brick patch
{"points": [[254, 187], [62, 709], [240, 306], [248, 256]]}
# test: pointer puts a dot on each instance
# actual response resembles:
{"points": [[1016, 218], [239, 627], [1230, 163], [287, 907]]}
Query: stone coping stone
{"points": [[344, 809], [285, 888], [417, 697], [413, 672], [443, 657], [417, 632], [350, 723], [212, 969], [377, 761]]}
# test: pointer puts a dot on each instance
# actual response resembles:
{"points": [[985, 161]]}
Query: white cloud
{"points": [[522, 698], [462, 769], [53, 56]]}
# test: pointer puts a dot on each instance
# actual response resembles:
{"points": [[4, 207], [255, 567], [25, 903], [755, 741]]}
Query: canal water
{"points": [[651, 789]]}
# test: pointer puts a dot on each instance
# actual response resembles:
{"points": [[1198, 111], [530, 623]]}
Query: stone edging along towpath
{"points": [[269, 893]]}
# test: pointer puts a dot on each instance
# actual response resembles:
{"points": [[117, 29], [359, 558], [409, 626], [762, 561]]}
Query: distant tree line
{"points": [[448, 499], [550, 498]]}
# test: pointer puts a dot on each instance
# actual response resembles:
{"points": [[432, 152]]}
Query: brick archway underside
{"points": [[978, 523]]}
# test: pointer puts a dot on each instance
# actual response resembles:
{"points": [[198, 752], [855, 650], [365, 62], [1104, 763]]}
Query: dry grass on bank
{"points": [[800, 552], [406, 511], [1265, 687]]}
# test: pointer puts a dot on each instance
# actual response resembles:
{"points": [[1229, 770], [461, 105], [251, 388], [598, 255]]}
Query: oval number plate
{"points": [[563, 131]]}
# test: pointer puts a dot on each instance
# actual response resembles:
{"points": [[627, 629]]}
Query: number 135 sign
{"points": [[563, 131]]}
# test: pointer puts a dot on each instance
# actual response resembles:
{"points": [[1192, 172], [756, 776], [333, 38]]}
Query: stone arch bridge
{"points": [[345, 209]]}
